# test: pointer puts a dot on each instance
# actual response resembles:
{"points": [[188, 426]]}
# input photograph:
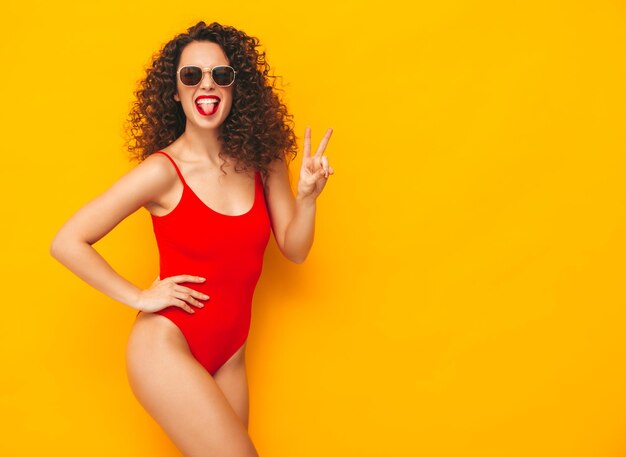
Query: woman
{"points": [[213, 141]]}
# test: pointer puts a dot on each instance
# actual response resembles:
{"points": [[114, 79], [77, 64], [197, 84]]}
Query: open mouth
{"points": [[207, 105]]}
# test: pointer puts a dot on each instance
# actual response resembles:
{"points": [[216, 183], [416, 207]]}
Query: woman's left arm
{"points": [[293, 219]]}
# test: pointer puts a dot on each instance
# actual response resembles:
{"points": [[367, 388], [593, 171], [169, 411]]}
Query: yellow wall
{"points": [[465, 294]]}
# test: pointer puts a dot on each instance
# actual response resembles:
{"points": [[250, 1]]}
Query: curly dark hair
{"points": [[258, 128]]}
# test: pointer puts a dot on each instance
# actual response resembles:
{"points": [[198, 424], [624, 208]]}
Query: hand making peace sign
{"points": [[315, 169]]}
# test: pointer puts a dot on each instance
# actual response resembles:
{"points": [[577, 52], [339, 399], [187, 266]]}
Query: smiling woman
{"points": [[199, 91], [213, 143], [258, 127]]}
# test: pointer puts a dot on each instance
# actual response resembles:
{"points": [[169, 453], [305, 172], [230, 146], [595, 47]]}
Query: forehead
{"points": [[203, 53]]}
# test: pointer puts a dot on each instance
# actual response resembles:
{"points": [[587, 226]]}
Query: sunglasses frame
{"points": [[204, 70]]}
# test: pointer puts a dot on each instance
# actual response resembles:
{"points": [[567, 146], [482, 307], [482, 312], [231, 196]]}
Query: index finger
{"points": [[187, 278]]}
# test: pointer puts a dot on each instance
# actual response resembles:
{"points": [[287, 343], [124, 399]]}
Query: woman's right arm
{"points": [[72, 245]]}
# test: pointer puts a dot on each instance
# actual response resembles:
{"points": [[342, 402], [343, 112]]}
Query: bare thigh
{"points": [[232, 379], [178, 392]]}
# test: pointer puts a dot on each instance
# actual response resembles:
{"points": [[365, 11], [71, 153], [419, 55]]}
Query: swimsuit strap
{"points": [[174, 163]]}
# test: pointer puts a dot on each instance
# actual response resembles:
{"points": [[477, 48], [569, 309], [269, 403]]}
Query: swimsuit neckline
{"points": [[187, 188]]}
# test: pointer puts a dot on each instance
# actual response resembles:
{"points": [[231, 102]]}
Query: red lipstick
{"points": [[207, 109]]}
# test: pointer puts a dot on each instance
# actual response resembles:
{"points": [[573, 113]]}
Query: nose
{"points": [[207, 80]]}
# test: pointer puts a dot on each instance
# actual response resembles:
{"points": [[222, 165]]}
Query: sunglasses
{"points": [[191, 75]]}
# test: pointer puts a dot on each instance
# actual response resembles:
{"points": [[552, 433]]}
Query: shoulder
{"points": [[278, 180], [277, 184], [150, 178], [157, 167], [277, 169], [142, 184]]}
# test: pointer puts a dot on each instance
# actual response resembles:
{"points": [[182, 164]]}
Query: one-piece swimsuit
{"points": [[228, 251]]}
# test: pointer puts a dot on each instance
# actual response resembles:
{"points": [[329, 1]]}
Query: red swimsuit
{"points": [[226, 250]]}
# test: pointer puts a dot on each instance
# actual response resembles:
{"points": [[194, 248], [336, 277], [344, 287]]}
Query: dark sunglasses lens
{"points": [[190, 76], [223, 76]]}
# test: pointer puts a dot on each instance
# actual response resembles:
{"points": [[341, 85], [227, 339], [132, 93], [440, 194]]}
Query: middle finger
{"points": [[323, 143], [193, 292], [187, 297]]}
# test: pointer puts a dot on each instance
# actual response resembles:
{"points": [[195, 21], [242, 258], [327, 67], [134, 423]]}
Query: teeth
{"points": [[207, 101]]}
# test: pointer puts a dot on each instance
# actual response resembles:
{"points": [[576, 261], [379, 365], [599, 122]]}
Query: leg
{"points": [[180, 394], [232, 379]]}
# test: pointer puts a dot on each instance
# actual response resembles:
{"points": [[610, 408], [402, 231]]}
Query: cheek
{"points": [[180, 89], [228, 105], [230, 99]]}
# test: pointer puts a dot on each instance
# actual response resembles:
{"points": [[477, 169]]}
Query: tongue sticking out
{"points": [[207, 108]]}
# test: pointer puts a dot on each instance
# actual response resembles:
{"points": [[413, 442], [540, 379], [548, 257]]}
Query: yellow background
{"points": [[465, 293]]}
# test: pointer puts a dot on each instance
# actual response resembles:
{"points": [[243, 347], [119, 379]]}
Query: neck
{"points": [[201, 143]]}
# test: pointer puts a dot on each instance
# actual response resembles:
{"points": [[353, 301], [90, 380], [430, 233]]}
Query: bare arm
{"points": [[293, 219], [72, 245]]}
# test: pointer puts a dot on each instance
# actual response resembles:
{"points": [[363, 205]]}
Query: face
{"points": [[206, 55]]}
